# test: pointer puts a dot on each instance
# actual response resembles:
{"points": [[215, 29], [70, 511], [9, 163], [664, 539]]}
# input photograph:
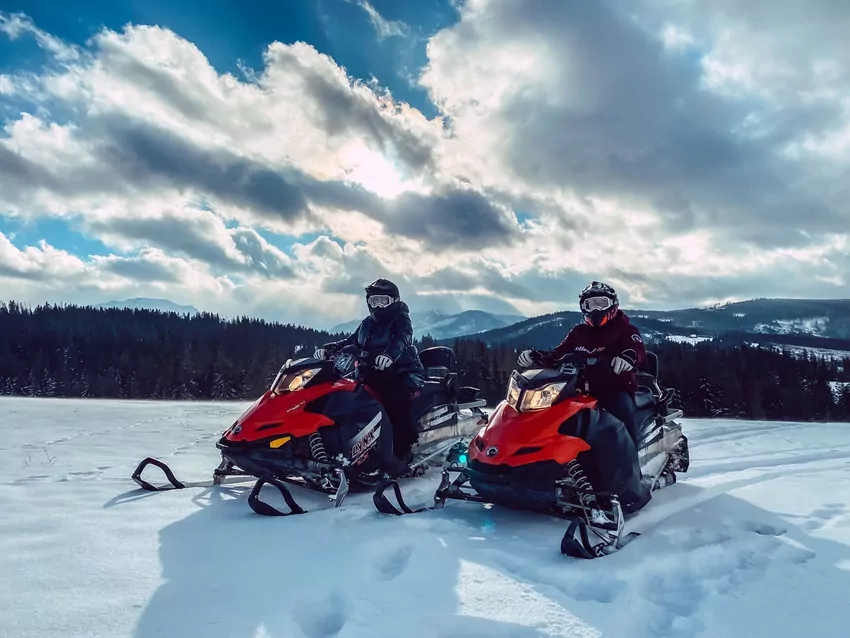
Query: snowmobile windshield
{"points": [[292, 381], [538, 375], [540, 388]]}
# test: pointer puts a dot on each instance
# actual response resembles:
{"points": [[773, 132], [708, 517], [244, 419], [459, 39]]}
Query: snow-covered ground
{"points": [[755, 541]]}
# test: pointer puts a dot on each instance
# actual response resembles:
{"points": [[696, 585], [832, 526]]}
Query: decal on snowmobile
{"points": [[437, 416], [297, 406], [366, 438]]}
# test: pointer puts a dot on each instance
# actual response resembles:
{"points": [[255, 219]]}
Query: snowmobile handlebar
{"points": [[579, 359]]}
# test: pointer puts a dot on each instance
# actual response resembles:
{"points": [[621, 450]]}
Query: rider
{"points": [[386, 336], [607, 332]]}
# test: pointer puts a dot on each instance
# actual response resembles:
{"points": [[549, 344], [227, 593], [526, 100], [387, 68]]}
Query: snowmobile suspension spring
{"points": [[576, 473], [317, 447]]}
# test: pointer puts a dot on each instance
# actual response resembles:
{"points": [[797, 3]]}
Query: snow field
{"points": [[753, 541]]}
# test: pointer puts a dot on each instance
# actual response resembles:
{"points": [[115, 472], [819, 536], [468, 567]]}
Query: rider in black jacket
{"points": [[395, 372]]}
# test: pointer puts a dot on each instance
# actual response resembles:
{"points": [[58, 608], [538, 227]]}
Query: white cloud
{"points": [[383, 27], [18, 24], [7, 87], [661, 153]]}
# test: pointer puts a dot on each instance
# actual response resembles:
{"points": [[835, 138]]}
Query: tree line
{"points": [[80, 351]]}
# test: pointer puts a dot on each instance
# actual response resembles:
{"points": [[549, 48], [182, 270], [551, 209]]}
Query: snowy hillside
{"points": [[755, 542], [818, 327]]}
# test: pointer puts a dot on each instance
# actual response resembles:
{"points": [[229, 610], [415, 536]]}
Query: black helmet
{"points": [[599, 303], [382, 296]]}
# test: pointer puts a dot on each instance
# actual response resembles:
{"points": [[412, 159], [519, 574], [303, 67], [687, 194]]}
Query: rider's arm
{"points": [[350, 340], [631, 347], [568, 345], [401, 336]]}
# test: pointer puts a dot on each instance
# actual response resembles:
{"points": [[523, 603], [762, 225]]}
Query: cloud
{"points": [[684, 151], [19, 24], [383, 27], [580, 97]]}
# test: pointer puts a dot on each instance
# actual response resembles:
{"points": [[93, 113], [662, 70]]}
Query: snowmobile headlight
{"points": [[541, 398], [294, 381], [513, 394]]}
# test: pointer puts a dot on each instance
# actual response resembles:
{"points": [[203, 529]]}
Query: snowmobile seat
{"points": [[438, 357], [644, 398], [436, 372], [650, 366]]}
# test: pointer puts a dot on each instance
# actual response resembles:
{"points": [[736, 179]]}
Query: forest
{"points": [[80, 351]]}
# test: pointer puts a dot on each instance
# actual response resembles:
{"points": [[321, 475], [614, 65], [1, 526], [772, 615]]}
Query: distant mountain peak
{"points": [[442, 325], [148, 303]]}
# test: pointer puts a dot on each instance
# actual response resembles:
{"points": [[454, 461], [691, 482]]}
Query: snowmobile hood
{"points": [[518, 438], [279, 414]]}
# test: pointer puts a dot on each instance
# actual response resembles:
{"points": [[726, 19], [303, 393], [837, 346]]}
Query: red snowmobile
{"points": [[534, 454], [319, 427]]}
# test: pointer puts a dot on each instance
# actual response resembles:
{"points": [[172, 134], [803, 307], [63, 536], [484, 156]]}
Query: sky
{"points": [[272, 158]]}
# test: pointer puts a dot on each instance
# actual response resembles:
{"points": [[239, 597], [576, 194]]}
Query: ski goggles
{"points": [[380, 301], [596, 303]]}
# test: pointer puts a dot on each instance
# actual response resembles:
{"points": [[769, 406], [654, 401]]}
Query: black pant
{"points": [[398, 402], [622, 405]]}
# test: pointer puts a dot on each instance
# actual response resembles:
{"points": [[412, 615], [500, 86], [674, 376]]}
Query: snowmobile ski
{"points": [[383, 504], [219, 477]]}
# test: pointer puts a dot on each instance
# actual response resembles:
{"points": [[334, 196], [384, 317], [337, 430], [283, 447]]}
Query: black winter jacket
{"points": [[393, 336]]}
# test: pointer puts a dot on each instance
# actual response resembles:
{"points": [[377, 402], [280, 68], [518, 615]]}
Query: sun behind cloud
{"points": [[567, 141]]}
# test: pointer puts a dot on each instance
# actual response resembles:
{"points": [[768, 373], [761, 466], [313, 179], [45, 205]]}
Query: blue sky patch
{"points": [[230, 33], [60, 233]]}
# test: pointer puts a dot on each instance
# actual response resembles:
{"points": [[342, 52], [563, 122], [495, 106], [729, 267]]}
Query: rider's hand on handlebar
{"points": [[320, 354], [524, 359], [382, 362], [618, 364]]}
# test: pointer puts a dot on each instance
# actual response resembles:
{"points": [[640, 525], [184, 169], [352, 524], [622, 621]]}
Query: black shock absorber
{"points": [[317, 447]]}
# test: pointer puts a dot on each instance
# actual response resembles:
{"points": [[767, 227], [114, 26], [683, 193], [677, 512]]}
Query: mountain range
{"points": [[163, 305], [806, 323], [441, 325]]}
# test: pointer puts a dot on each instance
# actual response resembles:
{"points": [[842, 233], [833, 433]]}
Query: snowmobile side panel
{"points": [[514, 439]]}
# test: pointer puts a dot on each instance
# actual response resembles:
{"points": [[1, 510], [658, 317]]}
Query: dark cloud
{"points": [[198, 238], [634, 121], [345, 111], [260, 257], [141, 269], [135, 155], [162, 82], [147, 155], [7, 270]]}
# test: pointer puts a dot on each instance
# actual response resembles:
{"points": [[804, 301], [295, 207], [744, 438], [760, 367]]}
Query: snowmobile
{"points": [[320, 427], [532, 454]]}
